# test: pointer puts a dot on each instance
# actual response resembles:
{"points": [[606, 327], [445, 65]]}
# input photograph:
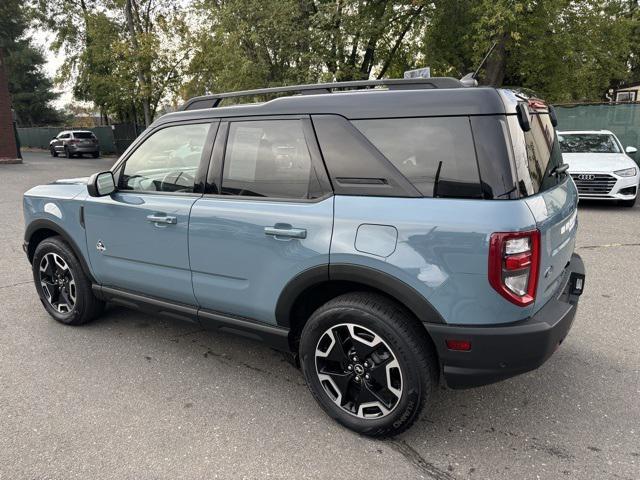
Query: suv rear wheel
{"points": [[368, 363], [63, 287]]}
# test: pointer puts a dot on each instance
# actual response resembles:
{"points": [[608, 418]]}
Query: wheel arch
{"points": [[41, 229], [315, 286]]}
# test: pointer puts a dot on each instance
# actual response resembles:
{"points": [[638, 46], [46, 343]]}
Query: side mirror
{"points": [[524, 117], [631, 150], [553, 116], [101, 184]]}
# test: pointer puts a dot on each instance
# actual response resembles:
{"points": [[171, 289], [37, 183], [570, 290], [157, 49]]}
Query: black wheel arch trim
{"points": [[44, 224], [371, 277]]}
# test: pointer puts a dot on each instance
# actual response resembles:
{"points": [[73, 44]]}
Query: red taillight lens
{"points": [[514, 259]]}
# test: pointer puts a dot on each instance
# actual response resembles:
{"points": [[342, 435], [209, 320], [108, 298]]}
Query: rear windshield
{"points": [[537, 153], [83, 135], [588, 143], [436, 154]]}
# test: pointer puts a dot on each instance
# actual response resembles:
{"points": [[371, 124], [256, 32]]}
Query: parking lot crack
{"points": [[16, 284], [607, 245], [418, 461]]}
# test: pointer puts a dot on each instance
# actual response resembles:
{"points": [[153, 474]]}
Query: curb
{"points": [[10, 161]]}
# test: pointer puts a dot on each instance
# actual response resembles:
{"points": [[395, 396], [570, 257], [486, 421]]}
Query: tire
{"points": [[81, 305], [53, 152], [627, 203], [95, 154], [402, 358], [67, 153]]}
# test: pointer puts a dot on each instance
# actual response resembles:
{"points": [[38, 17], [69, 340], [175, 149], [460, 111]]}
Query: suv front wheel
{"points": [[64, 289], [368, 363]]}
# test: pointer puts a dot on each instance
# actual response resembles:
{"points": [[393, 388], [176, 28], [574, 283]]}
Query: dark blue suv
{"points": [[388, 235]]}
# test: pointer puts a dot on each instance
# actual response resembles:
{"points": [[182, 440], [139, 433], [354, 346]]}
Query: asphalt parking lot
{"points": [[133, 396]]}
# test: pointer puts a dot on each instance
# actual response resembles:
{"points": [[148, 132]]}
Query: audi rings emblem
{"points": [[585, 176]]}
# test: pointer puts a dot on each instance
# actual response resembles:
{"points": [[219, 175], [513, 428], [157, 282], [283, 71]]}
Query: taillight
{"points": [[514, 259]]}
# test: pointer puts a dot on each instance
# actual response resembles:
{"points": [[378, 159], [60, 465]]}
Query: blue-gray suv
{"points": [[388, 235]]}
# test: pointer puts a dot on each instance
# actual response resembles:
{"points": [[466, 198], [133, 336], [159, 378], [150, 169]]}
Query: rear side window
{"points": [[537, 153], [268, 158], [436, 154]]}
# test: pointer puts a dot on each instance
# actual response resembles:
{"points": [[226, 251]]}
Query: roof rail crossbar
{"points": [[214, 100]]}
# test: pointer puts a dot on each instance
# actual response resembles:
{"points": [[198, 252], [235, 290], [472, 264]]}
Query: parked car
{"points": [[387, 239], [74, 142], [600, 166]]}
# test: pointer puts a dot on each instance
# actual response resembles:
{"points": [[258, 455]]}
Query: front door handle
{"points": [[166, 219], [280, 230]]}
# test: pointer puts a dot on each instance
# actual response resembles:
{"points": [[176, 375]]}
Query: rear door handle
{"points": [[166, 219], [285, 231]]}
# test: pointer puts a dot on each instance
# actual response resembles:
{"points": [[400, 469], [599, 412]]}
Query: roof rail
{"points": [[214, 100]]}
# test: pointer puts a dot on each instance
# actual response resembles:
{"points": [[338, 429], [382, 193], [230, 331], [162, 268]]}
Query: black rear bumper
{"points": [[504, 351]]}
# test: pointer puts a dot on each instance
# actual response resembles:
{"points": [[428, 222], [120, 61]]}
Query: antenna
{"points": [[475, 74], [469, 80]]}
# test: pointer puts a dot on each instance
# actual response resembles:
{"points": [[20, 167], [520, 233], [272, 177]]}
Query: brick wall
{"points": [[8, 148]]}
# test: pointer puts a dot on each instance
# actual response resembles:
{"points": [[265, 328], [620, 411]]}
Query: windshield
{"points": [[588, 143]]}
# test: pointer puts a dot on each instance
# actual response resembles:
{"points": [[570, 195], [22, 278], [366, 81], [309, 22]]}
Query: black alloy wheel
{"points": [[368, 362], [358, 371], [57, 282]]}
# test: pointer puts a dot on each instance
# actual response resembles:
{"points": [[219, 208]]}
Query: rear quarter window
{"points": [[435, 154]]}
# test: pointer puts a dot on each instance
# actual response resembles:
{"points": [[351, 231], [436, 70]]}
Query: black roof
{"points": [[408, 98]]}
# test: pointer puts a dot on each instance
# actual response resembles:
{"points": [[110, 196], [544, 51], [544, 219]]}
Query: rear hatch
{"points": [[551, 196]]}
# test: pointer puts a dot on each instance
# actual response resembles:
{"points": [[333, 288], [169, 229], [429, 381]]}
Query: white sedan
{"points": [[600, 166]]}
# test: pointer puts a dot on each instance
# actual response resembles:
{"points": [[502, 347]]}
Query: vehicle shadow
{"points": [[595, 205]]}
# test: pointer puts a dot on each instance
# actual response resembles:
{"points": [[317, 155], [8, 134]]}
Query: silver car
{"points": [[74, 142]]}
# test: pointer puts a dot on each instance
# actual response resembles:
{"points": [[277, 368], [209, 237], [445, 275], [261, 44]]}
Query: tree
{"points": [[30, 89], [564, 50], [124, 55]]}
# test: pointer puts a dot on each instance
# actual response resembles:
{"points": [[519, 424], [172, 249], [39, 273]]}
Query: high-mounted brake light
{"points": [[514, 259]]}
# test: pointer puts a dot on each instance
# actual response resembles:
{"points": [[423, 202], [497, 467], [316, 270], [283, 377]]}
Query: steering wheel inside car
{"points": [[169, 182]]}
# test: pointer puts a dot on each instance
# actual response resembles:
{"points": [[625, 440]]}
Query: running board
{"points": [[274, 336]]}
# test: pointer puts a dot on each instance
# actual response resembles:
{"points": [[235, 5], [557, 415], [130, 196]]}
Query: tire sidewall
{"points": [[57, 246], [413, 381]]}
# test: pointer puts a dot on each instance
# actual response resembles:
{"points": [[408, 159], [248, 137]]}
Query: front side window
{"points": [[166, 161], [435, 154], [588, 143], [268, 158]]}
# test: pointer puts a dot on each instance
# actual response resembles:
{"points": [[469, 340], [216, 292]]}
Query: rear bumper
{"points": [[501, 352], [83, 149]]}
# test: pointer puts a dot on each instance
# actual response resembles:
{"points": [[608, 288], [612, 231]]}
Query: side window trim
{"points": [[216, 165], [119, 166]]}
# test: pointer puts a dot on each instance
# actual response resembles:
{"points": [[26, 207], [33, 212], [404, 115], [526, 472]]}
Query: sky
{"points": [[43, 38]]}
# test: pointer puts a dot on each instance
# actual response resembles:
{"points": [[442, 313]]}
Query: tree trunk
{"points": [[128, 11], [496, 67]]}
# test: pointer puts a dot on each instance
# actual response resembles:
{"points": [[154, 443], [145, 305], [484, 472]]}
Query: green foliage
{"points": [[31, 91], [130, 57], [565, 50]]}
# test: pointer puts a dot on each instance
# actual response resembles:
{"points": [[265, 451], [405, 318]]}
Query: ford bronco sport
{"points": [[389, 235]]}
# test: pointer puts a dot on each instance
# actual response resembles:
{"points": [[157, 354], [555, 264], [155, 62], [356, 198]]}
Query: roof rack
{"points": [[214, 100]]}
